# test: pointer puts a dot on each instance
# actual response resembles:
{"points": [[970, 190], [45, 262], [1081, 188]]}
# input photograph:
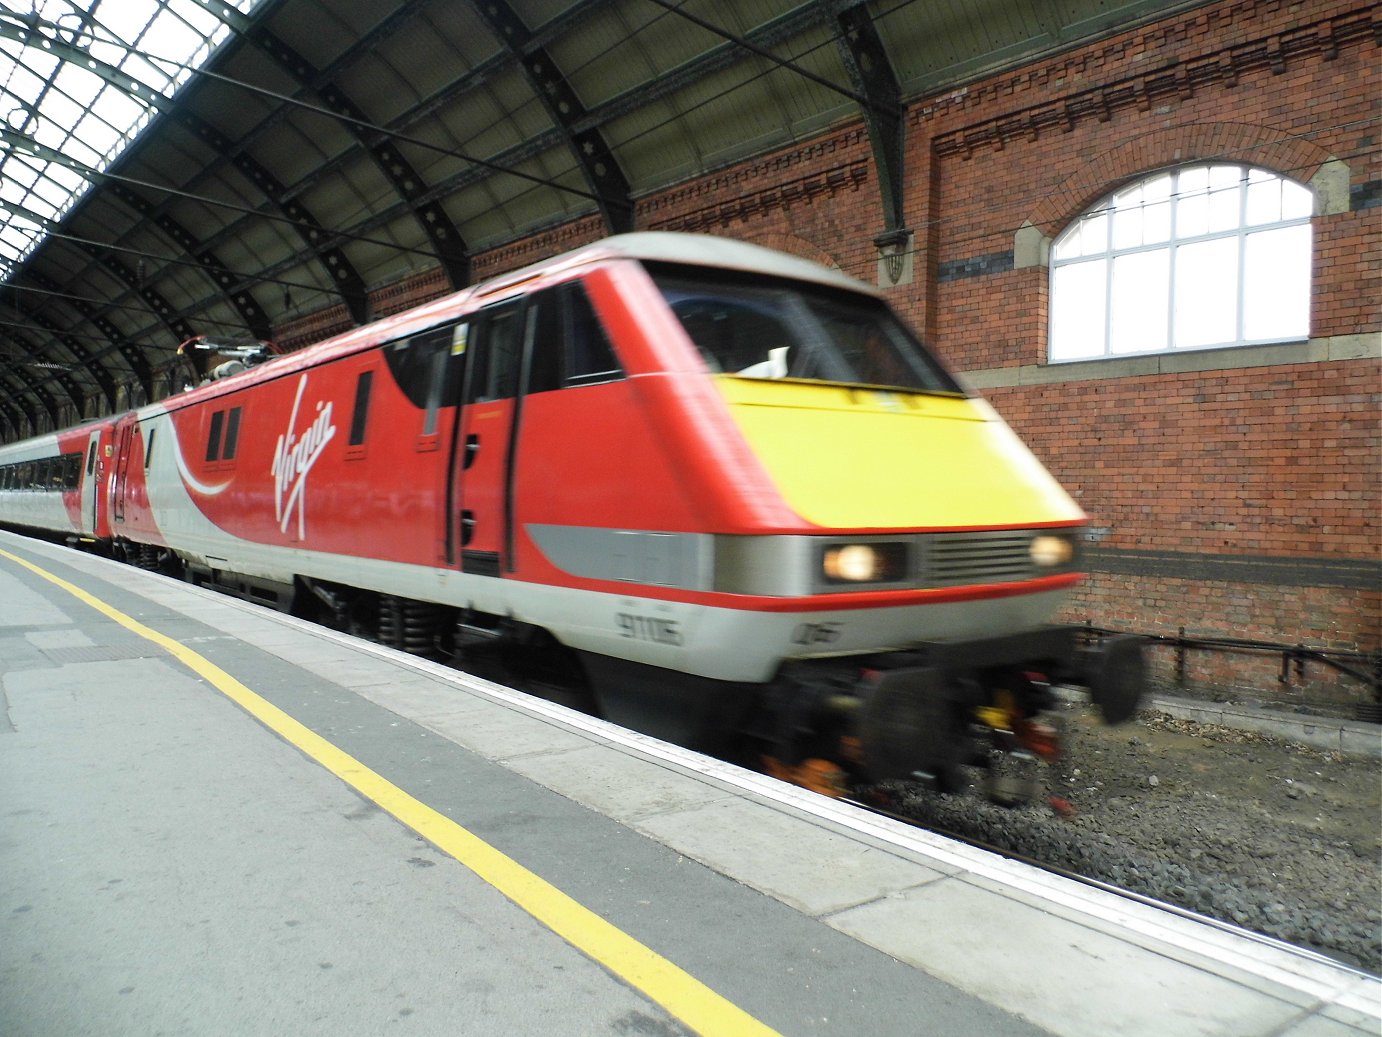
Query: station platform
{"points": [[215, 819]]}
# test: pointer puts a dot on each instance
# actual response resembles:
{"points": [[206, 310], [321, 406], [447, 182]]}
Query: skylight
{"points": [[78, 80]]}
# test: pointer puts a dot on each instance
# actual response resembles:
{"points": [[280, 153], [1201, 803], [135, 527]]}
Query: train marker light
{"points": [[1051, 552], [864, 563]]}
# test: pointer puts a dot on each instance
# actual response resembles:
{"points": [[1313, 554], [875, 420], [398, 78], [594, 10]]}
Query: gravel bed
{"points": [[1273, 836]]}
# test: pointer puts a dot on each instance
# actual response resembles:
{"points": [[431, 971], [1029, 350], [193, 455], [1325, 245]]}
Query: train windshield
{"points": [[760, 327]]}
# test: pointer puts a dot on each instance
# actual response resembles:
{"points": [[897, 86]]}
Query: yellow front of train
{"points": [[847, 457]]}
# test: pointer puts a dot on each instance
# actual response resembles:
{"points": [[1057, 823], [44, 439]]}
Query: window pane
{"points": [[1222, 285], [1141, 285], [1192, 202], [1297, 202], [213, 439], [1078, 308], [80, 84], [1225, 203], [1087, 236], [544, 364], [21, 173], [232, 434], [1207, 293], [1142, 214], [1127, 218], [1067, 245], [360, 414], [590, 351], [127, 20], [95, 132], [1094, 233], [495, 353], [762, 327], [1276, 284], [1264, 197], [1156, 198]]}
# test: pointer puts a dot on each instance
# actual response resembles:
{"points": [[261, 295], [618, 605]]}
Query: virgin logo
{"points": [[294, 457]]}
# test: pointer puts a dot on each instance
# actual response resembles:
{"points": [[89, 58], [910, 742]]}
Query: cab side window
{"points": [[569, 344], [495, 351], [590, 358], [426, 367]]}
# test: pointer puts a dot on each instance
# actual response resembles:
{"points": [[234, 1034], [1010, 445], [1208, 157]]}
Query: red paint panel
{"points": [[294, 479]]}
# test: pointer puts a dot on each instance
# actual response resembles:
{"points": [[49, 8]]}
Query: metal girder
{"points": [[768, 35], [32, 387], [771, 34], [10, 416], [347, 280], [445, 239], [154, 299], [98, 372], [18, 404], [869, 67], [747, 42], [239, 298], [133, 356], [469, 79], [62, 377], [585, 139], [137, 361]]}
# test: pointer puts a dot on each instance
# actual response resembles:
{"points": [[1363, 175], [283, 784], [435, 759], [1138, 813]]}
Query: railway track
{"points": [[1221, 826], [1074, 875]]}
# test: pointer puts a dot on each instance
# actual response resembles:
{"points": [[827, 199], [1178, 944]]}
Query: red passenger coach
{"points": [[725, 485]]}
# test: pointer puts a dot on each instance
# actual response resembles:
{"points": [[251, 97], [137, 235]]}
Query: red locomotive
{"points": [[729, 482]]}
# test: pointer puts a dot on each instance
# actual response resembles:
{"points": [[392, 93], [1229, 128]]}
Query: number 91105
{"points": [[649, 628]]}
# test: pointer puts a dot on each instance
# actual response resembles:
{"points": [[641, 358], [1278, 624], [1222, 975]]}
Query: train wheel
{"points": [[916, 726]]}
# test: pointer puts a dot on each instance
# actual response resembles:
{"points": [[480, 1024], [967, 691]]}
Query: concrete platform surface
{"points": [[218, 820]]}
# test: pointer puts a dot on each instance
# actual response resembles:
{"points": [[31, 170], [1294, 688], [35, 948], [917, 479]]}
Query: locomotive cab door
{"points": [[124, 446], [92, 469], [483, 458]]}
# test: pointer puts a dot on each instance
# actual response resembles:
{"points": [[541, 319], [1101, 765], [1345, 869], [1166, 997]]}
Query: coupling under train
{"points": [[728, 483]]}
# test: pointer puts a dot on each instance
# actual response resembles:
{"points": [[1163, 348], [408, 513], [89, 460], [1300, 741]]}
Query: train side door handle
{"points": [[472, 447], [467, 526]]}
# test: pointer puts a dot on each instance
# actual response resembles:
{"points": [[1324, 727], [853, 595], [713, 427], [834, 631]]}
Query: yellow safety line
{"points": [[679, 993]]}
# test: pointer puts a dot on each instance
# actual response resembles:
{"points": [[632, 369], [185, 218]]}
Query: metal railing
{"points": [[1364, 667]]}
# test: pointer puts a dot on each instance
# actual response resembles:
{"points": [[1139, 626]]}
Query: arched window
{"points": [[1196, 258]]}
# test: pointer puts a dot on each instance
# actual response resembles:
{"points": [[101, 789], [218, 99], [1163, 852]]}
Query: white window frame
{"points": [[1159, 207]]}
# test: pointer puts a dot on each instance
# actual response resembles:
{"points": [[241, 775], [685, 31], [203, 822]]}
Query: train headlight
{"points": [[1049, 551], [864, 563]]}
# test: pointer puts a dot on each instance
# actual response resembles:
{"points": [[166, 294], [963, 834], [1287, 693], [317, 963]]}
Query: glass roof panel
{"points": [[76, 77]]}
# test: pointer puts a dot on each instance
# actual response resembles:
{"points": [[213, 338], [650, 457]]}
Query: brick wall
{"points": [[1213, 470]]}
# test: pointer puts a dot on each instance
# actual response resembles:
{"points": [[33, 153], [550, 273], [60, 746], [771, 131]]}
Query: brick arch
{"points": [[795, 246], [1261, 146]]}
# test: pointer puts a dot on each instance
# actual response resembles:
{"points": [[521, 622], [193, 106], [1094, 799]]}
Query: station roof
{"points": [[176, 168]]}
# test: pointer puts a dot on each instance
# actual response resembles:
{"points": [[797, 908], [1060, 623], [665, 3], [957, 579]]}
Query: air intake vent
{"points": [[956, 559]]}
